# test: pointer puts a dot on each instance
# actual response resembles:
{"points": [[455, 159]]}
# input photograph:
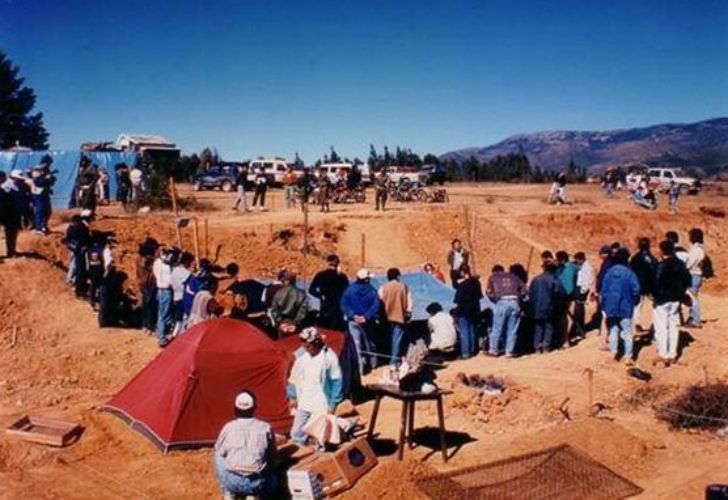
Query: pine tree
{"points": [[17, 125], [334, 157]]}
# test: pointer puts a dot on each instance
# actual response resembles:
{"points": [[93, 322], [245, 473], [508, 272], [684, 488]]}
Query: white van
{"points": [[332, 169], [274, 168]]}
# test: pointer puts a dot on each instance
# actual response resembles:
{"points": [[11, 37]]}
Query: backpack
{"points": [[706, 266]]}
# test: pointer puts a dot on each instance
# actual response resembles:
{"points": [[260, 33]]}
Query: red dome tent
{"points": [[184, 396]]}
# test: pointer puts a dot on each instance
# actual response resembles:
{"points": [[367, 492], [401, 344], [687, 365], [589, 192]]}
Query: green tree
{"points": [[17, 124], [334, 156], [430, 159]]}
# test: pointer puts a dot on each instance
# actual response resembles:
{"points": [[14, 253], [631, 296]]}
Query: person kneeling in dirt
{"points": [[443, 336], [315, 385], [245, 454]]}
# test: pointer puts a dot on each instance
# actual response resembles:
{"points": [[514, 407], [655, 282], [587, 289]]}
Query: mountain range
{"points": [[702, 145]]}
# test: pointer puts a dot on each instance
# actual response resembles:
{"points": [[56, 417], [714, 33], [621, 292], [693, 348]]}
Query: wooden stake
{"points": [[196, 230], [207, 242], [363, 249], [305, 241], [173, 195], [590, 387], [175, 211], [14, 337], [530, 256]]}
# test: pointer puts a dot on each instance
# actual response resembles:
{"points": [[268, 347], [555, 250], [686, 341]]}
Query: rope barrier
{"points": [[639, 401]]}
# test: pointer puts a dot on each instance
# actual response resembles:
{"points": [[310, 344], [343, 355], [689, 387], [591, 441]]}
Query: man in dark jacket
{"points": [[506, 290], [78, 238], [328, 286], [671, 283], [360, 305], [620, 292], [467, 301], [290, 302], [9, 214], [544, 294], [644, 264]]}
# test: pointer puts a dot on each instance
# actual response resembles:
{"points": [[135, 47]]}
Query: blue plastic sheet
{"points": [[66, 163]]}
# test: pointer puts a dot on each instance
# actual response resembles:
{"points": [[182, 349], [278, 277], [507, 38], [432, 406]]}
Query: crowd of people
{"points": [[549, 311], [641, 190], [25, 201]]}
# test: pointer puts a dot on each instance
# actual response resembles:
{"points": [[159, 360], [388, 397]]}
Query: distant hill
{"points": [[703, 145]]}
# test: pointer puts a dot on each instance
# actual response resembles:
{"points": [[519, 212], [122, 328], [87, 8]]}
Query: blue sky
{"points": [[268, 77]]}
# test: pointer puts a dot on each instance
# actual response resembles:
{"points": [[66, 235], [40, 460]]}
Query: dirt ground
{"points": [[56, 362]]}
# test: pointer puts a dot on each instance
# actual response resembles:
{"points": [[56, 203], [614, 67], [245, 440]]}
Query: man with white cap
{"points": [[315, 385], [245, 452], [360, 305]]}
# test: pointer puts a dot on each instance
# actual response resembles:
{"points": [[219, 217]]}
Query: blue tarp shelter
{"points": [[425, 290], [66, 163]]}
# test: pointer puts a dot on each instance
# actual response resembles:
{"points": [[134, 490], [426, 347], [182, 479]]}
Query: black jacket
{"points": [[672, 281], [644, 266], [328, 286], [78, 236], [467, 298]]}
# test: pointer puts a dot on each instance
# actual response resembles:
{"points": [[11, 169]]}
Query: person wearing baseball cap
{"points": [[315, 385], [360, 305], [245, 453], [328, 286]]}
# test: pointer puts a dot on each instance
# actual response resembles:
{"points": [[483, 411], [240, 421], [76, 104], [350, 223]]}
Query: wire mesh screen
{"points": [[560, 472]]}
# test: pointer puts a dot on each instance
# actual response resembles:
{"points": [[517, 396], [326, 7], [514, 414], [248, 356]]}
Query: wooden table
{"points": [[407, 418]]}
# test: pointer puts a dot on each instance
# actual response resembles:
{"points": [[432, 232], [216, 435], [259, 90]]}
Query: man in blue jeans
{"points": [[162, 270], [620, 293], [544, 294], [360, 305], [245, 453], [397, 305], [694, 262], [467, 301], [505, 290]]}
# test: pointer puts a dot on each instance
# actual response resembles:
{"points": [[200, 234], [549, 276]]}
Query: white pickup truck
{"points": [[396, 173], [661, 178]]}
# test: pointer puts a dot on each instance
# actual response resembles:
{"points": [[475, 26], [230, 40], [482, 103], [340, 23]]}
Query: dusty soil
{"points": [[55, 361]]}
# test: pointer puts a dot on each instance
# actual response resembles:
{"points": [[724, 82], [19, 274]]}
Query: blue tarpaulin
{"points": [[66, 163], [425, 290]]}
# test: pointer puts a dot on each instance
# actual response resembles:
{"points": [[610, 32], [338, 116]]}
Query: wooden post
{"points": [[305, 241], [173, 195], [207, 247], [363, 249], [196, 230], [590, 382], [175, 211], [530, 257]]}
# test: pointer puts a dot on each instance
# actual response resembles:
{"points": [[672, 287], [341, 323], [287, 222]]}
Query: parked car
{"points": [[221, 176], [396, 173], [430, 175], [661, 178]]}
